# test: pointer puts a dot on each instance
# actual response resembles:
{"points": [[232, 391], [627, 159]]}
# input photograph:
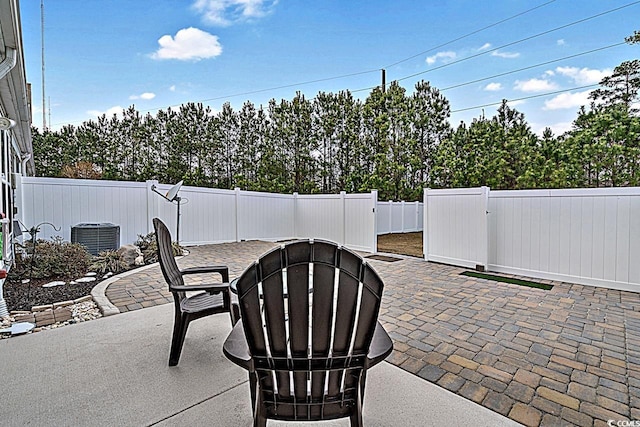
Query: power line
{"points": [[439, 67], [470, 34], [520, 41], [291, 85], [531, 66], [524, 98]]}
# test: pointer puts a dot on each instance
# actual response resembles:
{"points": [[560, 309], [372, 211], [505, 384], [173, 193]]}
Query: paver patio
{"points": [[567, 356]]}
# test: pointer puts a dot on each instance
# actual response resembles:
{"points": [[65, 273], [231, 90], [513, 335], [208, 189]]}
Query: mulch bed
{"points": [[23, 296]]}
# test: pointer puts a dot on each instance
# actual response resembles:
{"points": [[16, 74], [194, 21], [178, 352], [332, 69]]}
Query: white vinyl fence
{"points": [[399, 217], [455, 226], [585, 236], [206, 215]]}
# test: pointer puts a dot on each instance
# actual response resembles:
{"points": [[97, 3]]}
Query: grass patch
{"points": [[507, 280]]}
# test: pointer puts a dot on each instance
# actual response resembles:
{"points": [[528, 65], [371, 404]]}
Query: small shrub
{"points": [[149, 248], [52, 258], [108, 261]]}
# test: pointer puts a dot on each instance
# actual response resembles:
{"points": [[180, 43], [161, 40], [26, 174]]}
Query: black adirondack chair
{"points": [[215, 298], [308, 332]]}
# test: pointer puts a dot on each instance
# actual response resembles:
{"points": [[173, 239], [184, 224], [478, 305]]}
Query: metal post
{"points": [[178, 199]]}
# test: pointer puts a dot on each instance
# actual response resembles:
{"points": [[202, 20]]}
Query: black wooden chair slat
{"points": [[215, 299], [275, 341]]}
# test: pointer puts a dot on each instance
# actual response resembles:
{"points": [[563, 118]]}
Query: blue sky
{"points": [[103, 56]]}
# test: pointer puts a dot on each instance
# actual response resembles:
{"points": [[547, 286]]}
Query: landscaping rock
{"points": [[130, 255], [54, 283]]}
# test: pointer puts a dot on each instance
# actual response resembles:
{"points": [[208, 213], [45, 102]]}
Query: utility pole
{"points": [[384, 80], [44, 105]]}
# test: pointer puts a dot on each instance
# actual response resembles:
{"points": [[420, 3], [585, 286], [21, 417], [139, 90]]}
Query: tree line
{"points": [[393, 141]]}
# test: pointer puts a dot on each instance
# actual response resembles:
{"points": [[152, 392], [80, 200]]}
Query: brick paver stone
{"points": [[567, 356]]}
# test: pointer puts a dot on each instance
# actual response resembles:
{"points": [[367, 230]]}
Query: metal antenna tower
{"points": [[44, 105]]}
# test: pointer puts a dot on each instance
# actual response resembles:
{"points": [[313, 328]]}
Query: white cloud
{"points": [[444, 56], [493, 87], [516, 103], [227, 12], [485, 46], [109, 112], [549, 73], [557, 128], [508, 55], [567, 100], [189, 44], [534, 85], [145, 96], [172, 88], [560, 42], [584, 76]]}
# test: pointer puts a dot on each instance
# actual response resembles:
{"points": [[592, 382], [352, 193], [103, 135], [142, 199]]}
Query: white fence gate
{"points": [[207, 215], [455, 226], [585, 236]]}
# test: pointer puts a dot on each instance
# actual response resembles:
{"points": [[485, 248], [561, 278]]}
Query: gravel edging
{"points": [[98, 293]]}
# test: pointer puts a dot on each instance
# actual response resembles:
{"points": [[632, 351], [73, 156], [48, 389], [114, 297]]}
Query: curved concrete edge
{"points": [[99, 292]]}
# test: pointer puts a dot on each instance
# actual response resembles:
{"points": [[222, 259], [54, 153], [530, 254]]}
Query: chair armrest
{"points": [[223, 270], [381, 346], [211, 288], [235, 347]]}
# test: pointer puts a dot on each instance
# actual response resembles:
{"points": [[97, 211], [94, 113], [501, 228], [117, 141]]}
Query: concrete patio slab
{"points": [[113, 371]]}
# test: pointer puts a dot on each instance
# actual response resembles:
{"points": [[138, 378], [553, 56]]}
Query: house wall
{"points": [[15, 141]]}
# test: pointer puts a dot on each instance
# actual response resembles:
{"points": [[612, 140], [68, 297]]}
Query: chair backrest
{"points": [[309, 311], [170, 269]]}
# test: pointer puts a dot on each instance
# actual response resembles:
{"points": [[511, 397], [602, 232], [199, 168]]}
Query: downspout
{"points": [[23, 164], [8, 62], [6, 66]]}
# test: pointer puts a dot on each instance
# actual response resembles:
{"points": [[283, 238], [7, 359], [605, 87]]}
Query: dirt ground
{"points": [[401, 243]]}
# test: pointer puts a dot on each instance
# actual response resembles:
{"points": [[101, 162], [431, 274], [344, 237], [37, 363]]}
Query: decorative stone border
{"points": [[99, 291], [45, 315]]}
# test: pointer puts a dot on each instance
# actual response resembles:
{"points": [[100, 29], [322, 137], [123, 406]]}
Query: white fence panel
{"points": [[321, 216], [586, 236], [360, 222], [456, 226], [68, 202], [206, 215], [265, 216], [348, 219], [383, 218], [399, 217]]}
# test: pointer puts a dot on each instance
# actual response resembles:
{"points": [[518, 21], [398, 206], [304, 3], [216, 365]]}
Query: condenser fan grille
{"points": [[97, 237]]}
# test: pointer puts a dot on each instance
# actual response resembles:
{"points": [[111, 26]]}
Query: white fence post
{"points": [[425, 225], [374, 207], [344, 217], [295, 215], [237, 207], [485, 227]]}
